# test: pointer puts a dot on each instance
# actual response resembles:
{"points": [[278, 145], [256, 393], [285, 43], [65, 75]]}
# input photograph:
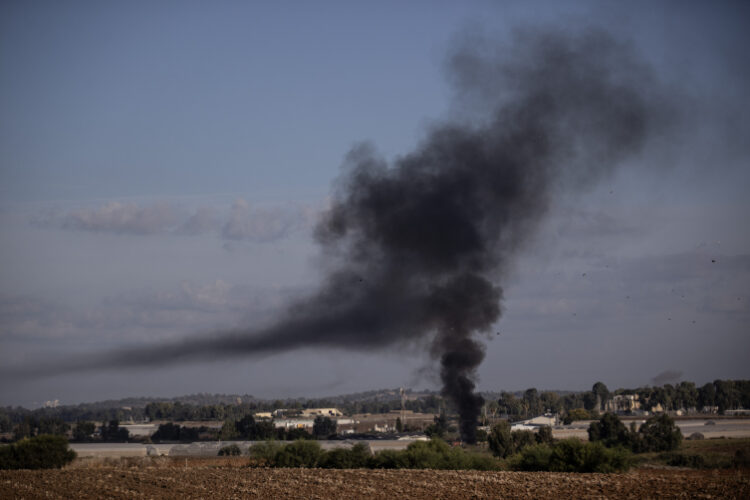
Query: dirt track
{"points": [[232, 481]]}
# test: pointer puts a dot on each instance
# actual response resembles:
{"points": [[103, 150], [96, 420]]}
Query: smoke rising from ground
{"points": [[416, 249]]}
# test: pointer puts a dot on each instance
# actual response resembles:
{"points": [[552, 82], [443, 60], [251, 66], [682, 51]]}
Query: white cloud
{"points": [[124, 218], [262, 224], [204, 220], [241, 222]]}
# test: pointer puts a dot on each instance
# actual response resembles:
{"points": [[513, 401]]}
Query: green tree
{"points": [[687, 395], [510, 405], [228, 431], [576, 414], [610, 430], [6, 425], [601, 392], [551, 402], [39, 452], [522, 439], [112, 432], [246, 427], [438, 428], [84, 431], [323, 427], [265, 429], [532, 402], [25, 428], [544, 435], [167, 432], [659, 433], [727, 397], [707, 395], [590, 401], [500, 439]]}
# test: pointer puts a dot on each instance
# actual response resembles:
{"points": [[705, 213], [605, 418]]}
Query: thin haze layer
{"points": [[418, 247]]}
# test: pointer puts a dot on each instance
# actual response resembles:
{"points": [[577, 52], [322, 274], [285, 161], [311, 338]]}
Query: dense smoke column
{"points": [[560, 112], [416, 248]]}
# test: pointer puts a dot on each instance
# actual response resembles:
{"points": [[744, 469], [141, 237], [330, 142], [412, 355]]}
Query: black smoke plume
{"points": [[417, 248]]}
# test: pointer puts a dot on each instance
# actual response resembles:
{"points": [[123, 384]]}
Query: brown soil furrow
{"points": [[232, 481]]}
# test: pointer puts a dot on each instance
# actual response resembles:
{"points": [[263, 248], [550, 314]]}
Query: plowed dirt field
{"points": [[233, 481]]}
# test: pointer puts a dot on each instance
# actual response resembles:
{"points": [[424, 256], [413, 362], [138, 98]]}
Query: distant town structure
{"points": [[326, 412], [623, 403], [536, 422]]}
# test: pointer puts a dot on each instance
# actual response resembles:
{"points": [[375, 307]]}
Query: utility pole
{"points": [[403, 407]]}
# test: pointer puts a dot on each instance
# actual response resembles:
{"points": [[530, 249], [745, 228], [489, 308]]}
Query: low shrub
{"points": [[741, 458], [356, 457], [434, 454], [705, 461], [389, 459], [40, 452], [685, 460], [300, 453], [503, 442], [571, 455], [230, 451], [544, 435], [533, 458], [265, 453]]}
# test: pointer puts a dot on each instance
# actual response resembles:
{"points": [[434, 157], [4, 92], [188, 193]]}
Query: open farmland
{"points": [[231, 478]]}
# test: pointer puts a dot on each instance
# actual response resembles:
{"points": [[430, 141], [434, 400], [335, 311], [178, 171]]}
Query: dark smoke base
{"points": [[418, 247]]}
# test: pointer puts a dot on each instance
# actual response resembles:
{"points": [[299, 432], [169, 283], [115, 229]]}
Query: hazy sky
{"points": [[162, 165]]}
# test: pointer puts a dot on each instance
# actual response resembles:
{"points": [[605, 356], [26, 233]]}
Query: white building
{"points": [[326, 412]]}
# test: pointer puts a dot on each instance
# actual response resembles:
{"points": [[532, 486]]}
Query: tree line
{"points": [[720, 394], [246, 428]]}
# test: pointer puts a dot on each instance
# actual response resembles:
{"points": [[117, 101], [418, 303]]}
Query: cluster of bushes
{"points": [[503, 442], [433, 454], [113, 433], [659, 433], [576, 414], [40, 452], [608, 450], [230, 451], [175, 432], [571, 455], [537, 451], [32, 426], [740, 459], [259, 430]]}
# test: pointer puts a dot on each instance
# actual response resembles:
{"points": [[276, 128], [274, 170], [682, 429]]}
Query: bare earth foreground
{"points": [[234, 481]]}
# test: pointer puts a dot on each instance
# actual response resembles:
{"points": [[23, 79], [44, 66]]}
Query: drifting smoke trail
{"points": [[418, 246]]}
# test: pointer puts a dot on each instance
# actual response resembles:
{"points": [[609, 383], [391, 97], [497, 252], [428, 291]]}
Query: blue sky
{"points": [[162, 166]]}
